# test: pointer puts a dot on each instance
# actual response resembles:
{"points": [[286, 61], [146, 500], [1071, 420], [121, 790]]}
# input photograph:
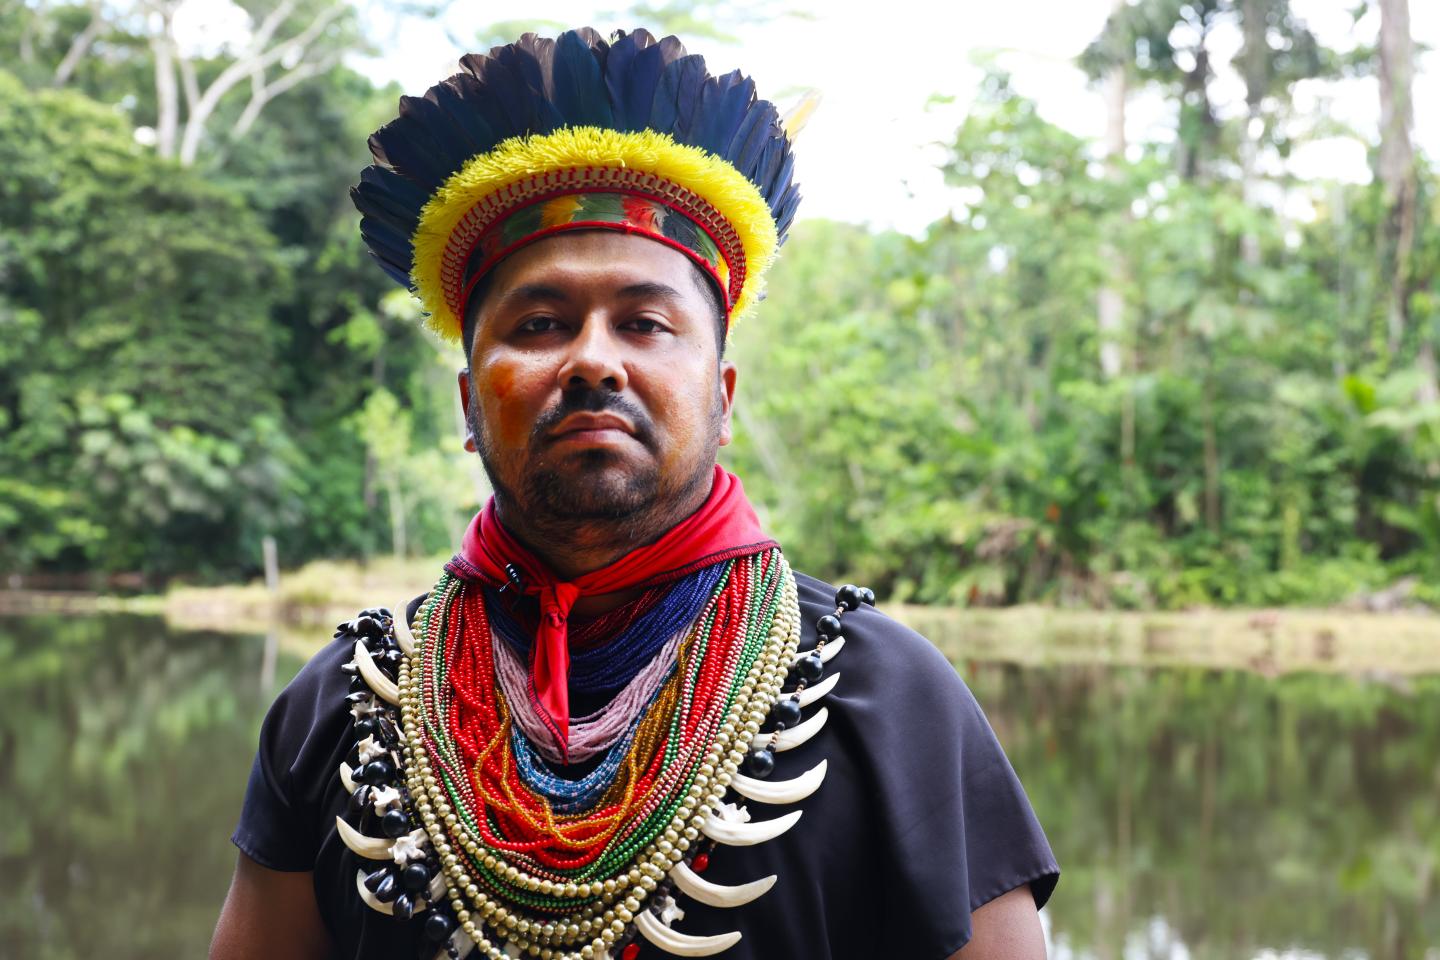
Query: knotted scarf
{"points": [[725, 527]]}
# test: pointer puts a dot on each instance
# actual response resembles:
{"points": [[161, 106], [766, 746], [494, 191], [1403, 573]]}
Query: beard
{"points": [[584, 489]]}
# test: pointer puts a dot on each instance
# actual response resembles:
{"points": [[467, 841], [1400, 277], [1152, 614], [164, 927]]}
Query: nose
{"points": [[594, 359]]}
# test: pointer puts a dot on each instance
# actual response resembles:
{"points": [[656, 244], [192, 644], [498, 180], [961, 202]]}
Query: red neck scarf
{"points": [[725, 527]]}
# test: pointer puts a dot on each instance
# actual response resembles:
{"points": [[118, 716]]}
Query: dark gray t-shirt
{"points": [[920, 819]]}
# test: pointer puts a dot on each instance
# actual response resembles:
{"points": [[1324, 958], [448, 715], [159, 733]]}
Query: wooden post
{"points": [[272, 635]]}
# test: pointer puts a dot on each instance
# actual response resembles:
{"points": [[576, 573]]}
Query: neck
{"points": [[574, 547]]}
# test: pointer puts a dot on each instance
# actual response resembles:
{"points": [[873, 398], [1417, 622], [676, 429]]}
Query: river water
{"points": [[1197, 813]]}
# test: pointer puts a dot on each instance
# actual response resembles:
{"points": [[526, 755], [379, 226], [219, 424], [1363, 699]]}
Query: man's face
{"points": [[594, 391]]}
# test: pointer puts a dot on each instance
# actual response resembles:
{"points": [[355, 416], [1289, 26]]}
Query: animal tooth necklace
{"points": [[507, 858]]}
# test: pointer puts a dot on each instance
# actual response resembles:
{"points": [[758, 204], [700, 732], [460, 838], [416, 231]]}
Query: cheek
{"points": [[685, 411], [511, 397]]}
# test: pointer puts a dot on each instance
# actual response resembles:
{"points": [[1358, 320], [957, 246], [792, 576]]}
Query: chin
{"points": [[593, 485]]}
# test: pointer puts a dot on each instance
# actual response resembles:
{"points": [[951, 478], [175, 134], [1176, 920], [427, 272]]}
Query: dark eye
{"points": [[539, 325], [645, 325]]}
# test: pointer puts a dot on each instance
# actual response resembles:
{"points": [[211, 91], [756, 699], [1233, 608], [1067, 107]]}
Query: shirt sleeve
{"points": [[302, 743], [955, 825]]}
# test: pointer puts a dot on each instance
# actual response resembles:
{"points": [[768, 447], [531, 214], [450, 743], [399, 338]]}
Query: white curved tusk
{"points": [[713, 894], [780, 791], [827, 653], [371, 901], [437, 887], [810, 694], [682, 944], [403, 636], [347, 777], [383, 686], [371, 848], [798, 734], [733, 833]]}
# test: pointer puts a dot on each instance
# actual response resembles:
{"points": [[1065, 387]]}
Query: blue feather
{"points": [[771, 159], [785, 212], [639, 86], [722, 109], [677, 96], [619, 62], [777, 186], [747, 148], [579, 84]]}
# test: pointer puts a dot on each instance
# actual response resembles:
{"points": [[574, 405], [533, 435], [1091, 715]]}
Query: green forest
{"points": [[1122, 375]]}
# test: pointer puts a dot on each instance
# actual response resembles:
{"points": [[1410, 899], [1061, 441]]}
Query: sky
{"points": [[870, 153]]}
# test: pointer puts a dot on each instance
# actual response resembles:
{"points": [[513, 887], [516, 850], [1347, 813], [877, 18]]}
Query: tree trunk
{"points": [[167, 93], [1211, 448], [80, 46], [1110, 302], [1255, 66], [1396, 163]]}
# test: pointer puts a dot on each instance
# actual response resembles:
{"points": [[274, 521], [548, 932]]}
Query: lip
{"points": [[592, 428]]}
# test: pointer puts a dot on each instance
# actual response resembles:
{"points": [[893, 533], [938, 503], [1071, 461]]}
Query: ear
{"points": [[462, 379], [728, 374]]}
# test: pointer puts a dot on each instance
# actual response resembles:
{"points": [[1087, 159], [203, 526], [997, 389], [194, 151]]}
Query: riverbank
{"points": [[312, 599]]}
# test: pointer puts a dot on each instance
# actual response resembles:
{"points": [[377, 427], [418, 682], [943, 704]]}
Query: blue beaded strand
{"points": [[611, 665]]}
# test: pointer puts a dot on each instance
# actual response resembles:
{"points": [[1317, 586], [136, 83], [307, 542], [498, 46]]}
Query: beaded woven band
{"points": [[682, 221]]}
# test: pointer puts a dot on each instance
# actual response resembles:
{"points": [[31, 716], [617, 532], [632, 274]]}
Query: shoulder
{"points": [[879, 648], [309, 726]]}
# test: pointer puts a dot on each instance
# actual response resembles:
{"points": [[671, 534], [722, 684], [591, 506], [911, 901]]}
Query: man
{"points": [[618, 726]]}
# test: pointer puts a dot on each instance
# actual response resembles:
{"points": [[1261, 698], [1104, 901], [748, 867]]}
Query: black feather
{"points": [[530, 58], [460, 112], [374, 202], [407, 148], [447, 143], [393, 253], [401, 191], [579, 84], [511, 102]]}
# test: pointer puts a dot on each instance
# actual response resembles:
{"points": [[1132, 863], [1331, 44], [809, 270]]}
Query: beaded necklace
{"points": [[514, 865]]}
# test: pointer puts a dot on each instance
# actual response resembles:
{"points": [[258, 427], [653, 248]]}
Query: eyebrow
{"points": [[534, 293], [548, 293], [651, 289]]}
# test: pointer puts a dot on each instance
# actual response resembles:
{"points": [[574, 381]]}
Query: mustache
{"points": [[591, 400]]}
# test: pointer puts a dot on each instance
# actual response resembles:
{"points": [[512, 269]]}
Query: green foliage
{"points": [[930, 417], [137, 387], [191, 359]]}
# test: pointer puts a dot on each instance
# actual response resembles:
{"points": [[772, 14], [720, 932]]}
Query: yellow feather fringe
{"points": [[520, 158]]}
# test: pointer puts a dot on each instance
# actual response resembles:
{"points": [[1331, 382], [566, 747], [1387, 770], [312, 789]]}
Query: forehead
{"points": [[596, 262]]}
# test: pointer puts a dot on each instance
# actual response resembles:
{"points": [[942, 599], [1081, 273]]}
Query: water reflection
{"points": [[123, 754], [1198, 814], [1219, 814]]}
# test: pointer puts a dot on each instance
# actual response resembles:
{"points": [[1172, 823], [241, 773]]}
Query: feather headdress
{"points": [[576, 133]]}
